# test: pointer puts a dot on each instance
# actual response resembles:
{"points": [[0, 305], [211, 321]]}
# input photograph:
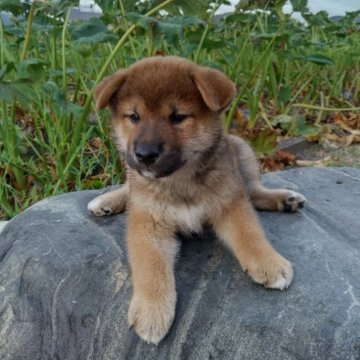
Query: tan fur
{"points": [[200, 175]]}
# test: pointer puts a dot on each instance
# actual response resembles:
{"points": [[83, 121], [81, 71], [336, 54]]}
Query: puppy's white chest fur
{"points": [[190, 218]]}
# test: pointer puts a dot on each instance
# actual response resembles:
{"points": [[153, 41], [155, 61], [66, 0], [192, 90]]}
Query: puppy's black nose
{"points": [[147, 153]]}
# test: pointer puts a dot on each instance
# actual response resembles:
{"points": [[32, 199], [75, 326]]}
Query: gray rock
{"points": [[2, 225], [65, 284], [294, 145]]}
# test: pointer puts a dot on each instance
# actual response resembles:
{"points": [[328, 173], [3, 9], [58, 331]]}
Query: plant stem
{"points": [[54, 45], [207, 28], [2, 55], [63, 55], [28, 31], [123, 13], [266, 119], [66, 121], [321, 108]]}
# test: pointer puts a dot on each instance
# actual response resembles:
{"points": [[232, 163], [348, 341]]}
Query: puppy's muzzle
{"points": [[148, 153]]}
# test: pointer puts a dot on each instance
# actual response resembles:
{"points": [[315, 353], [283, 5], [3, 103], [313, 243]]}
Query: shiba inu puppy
{"points": [[183, 171]]}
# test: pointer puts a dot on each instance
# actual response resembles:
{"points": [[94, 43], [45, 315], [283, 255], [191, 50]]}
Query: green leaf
{"points": [[30, 69], [295, 125], [6, 69], [210, 44], [60, 105], [145, 22], [299, 5], [191, 7], [171, 28], [187, 7], [15, 31], [90, 27], [319, 59], [278, 37], [51, 9], [16, 7], [349, 20], [304, 128], [19, 90], [264, 143], [93, 31], [284, 95], [171, 31], [186, 21], [96, 39], [240, 18], [108, 6], [60, 73], [282, 119], [321, 18]]}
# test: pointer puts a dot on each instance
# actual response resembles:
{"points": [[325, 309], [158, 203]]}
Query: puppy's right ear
{"points": [[108, 88]]}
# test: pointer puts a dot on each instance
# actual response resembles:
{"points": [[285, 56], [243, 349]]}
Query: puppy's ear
{"points": [[108, 87], [216, 89]]}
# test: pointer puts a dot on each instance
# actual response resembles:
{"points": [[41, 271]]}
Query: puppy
{"points": [[183, 172]]}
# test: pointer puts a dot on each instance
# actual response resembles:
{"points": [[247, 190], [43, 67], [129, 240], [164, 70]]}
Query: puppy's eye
{"points": [[134, 117], [177, 118]]}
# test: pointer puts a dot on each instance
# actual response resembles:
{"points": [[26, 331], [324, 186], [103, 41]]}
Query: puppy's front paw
{"points": [[112, 202], [292, 201], [151, 319], [274, 272], [101, 206]]}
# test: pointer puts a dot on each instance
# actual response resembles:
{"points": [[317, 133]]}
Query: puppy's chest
{"points": [[185, 207], [187, 217]]}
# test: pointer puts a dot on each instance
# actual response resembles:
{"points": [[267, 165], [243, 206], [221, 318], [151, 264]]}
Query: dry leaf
{"points": [[278, 161], [349, 121], [321, 162]]}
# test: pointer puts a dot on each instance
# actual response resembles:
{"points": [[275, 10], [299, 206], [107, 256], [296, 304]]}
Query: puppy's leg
{"points": [[239, 228], [112, 202], [277, 199], [262, 198], [152, 250]]}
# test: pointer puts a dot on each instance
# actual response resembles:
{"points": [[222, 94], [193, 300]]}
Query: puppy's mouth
{"points": [[162, 167]]}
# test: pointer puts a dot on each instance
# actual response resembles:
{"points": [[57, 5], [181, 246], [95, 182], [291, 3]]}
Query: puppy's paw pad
{"points": [[99, 207], [150, 320], [281, 280], [275, 273], [293, 201]]}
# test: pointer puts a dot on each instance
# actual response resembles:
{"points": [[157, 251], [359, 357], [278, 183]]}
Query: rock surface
{"points": [[2, 225], [65, 285]]}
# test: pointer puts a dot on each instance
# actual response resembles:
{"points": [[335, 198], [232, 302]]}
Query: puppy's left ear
{"points": [[216, 89]]}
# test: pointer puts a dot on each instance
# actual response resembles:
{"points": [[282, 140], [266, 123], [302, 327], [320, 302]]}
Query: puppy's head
{"points": [[165, 112]]}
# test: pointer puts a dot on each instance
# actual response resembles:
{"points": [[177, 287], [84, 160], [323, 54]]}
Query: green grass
{"points": [[53, 139]]}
